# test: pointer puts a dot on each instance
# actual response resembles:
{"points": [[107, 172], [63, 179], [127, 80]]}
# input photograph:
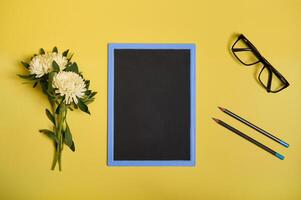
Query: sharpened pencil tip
{"points": [[222, 109], [216, 120], [284, 144], [278, 155]]}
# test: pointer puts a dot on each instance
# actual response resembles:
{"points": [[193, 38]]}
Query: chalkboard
{"points": [[151, 105]]}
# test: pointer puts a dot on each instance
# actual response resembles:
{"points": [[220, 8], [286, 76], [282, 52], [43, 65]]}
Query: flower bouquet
{"points": [[66, 89]]}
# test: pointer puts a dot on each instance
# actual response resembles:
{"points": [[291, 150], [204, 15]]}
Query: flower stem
{"points": [[55, 158], [58, 129], [60, 138]]}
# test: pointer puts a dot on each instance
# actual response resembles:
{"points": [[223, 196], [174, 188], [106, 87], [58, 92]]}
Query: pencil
{"points": [[267, 134], [234, 130]]}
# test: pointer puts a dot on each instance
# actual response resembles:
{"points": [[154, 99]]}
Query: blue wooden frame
{"points": [[191, 161]]}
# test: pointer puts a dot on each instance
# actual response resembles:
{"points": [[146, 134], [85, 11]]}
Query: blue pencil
{"points": [[267, 134], [234, 130]]}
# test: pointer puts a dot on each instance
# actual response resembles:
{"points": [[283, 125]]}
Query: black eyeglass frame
{"points": [[261, 59]]}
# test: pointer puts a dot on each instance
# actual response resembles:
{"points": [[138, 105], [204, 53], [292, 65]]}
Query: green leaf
{"points": [[27, 77], [50, 116], [92, 95], [44, 87], [75, 106], [88, 101], [70, 58], [55, 66], [50, 134], [61, 107], [58, 109], [83, 106], [51, 75], [65, 53], [26, 65], [42, 51], [88, 92], [90, 98], [51, 99], [87, 82], [35, 84], [72, 68], [50, 89], [54, 50], [68, 138]]}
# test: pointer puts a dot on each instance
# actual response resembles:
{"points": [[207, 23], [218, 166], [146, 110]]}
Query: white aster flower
{"points": [[60, 60], [70, 85], [42, 64]]}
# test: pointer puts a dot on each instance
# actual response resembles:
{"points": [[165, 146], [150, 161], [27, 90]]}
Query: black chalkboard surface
{"points": [[151, 104]]}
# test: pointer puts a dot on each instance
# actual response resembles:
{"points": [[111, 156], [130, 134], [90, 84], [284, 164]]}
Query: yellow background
{"points": [[228, 167]]}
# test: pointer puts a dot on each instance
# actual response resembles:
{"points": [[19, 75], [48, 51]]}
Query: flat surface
{"points": [[227, 167], [151, 104]]}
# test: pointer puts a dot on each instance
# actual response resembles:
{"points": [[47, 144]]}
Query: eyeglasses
{"points": [[248, 55]]}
